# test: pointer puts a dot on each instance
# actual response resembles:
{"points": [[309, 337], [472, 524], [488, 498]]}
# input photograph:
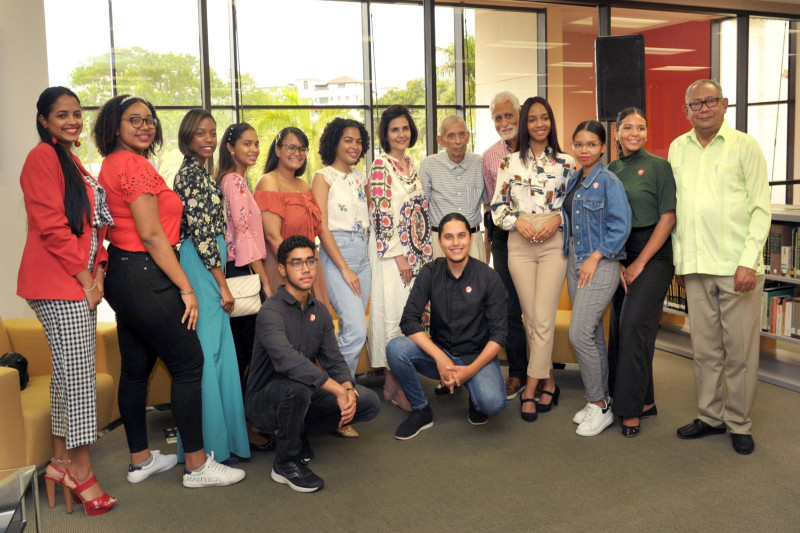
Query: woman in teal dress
{"points": [[203, 254]]}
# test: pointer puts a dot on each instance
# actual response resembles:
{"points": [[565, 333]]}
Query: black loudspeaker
{"points": [[619, 62]]}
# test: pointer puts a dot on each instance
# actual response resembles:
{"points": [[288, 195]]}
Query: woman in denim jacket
{"points": [[597, 222]]}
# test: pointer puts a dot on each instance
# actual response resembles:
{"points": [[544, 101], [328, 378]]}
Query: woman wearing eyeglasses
{"points": [[203, 253], [155, 304], [287, 205], [597, 222], [645, 274], [531, 184]]}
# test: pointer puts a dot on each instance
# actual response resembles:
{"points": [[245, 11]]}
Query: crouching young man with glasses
{"points": [[286, 391]]}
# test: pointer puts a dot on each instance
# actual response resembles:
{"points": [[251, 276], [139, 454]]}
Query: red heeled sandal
{"points": [[50, 484], [100, 505]]}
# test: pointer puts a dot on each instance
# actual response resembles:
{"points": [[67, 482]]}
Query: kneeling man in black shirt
{"points": [[468, 329], [286, 390]]}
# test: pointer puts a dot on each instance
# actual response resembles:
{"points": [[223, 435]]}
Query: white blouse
{"points": [[347, 203]]}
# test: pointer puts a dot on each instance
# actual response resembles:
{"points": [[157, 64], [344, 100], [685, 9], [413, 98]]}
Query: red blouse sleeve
{"points": [[137, 176], [270, 201]]}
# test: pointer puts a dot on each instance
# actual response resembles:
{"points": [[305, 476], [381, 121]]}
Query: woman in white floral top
{"points": [[400, 242], [531, 185]]}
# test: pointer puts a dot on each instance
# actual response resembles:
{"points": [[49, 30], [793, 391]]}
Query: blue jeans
{"points": [[349, 307], [487, 390]]}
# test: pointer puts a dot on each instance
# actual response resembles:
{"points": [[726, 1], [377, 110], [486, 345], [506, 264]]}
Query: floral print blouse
{"points": [[536, 187], [203, 210], [399, 212], [244, 233], [347, 203]]}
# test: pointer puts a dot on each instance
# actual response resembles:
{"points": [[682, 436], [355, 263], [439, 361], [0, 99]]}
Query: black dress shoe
{"points": [[743, 444], [527, 417], [266, 447], [699, 429]]}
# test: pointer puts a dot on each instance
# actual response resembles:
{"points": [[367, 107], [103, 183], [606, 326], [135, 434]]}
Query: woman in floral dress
{"points": [[400, 237]]}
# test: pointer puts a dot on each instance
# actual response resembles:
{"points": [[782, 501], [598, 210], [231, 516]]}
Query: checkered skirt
{"points": [[71, 329]]}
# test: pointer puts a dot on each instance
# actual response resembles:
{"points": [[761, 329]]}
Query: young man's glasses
{"points": [[297, 264]]}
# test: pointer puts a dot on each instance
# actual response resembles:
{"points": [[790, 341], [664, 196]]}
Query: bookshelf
{"points": [[780, 355]]}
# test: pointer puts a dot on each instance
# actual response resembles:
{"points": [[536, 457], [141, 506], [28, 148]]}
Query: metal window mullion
{"points": [[716, 50], [459, 46], [429, 23], [366, 56], [790, 111], [205, 68], [233, 39], [742, 60], [113, 57], [604, 30]]}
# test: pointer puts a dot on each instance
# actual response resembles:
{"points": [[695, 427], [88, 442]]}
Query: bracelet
{"points": [[354, 392], [186, 293], [90, 289]]}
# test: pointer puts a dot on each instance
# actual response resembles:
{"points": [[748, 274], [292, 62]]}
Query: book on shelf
{"points": [[772, 300], [782, 250], [676, 297]]}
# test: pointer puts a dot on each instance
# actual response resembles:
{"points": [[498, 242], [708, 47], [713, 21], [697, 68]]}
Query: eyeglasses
{"points": [[710, 103], [591, 145], [293, 148], [138, 122], [297, 264]]}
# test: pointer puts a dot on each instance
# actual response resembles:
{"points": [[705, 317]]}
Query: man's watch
{"points": [[354, 392]]}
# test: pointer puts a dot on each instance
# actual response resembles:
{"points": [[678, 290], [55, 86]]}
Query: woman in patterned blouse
{"points": [[203, 253], [530, 189], [244, 236], [339, 190], [400, 240]]}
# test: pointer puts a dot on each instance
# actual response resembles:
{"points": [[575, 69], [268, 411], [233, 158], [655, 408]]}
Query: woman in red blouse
{"points": [[67, 221], [287, 205], [155, 304]]}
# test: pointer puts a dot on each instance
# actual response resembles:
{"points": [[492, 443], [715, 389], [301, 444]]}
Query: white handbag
{"points": [[246, 291]]}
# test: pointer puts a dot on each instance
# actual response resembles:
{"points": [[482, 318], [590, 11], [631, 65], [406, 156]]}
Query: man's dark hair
{"points": [[289, 244], [452, 216]]}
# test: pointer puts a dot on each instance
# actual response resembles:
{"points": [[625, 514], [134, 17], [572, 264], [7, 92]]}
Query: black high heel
{"points": [[527, 417], [544, 408]]}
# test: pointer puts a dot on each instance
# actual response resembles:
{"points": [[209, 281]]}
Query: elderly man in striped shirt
{"points": [[453, 183]]}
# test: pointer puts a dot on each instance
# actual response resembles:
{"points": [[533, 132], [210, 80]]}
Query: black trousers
{"points": [[635, 317], [149, 310], [293, 409], [517, 343], [243, 328]]}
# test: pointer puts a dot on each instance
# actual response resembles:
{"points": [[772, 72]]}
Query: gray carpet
{"points": [[505, 476]]}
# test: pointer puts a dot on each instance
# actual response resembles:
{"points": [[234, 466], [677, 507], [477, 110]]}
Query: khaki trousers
{"points": [[538, 271], [725, 329], [476, 249]]}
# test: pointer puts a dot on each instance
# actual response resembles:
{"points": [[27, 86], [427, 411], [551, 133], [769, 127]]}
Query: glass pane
{"points": [[169, 158], [768, 74], [219, 52], [268, 122], [322, 65], [767, 123], [728, 58], [157, 57], [87, 151], [224, 118], [445, 56], [481, 125], [79, 60], [671, 65], [418, 151], [398, 47], [730, 116]]}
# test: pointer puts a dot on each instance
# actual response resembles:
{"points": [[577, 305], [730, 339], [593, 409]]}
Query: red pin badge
{"points": [[468, 289], [641, 171], [596, 185], [313, 317]]}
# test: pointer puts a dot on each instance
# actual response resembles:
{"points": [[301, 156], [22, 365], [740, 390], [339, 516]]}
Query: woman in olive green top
{"points": [[645, 275]]}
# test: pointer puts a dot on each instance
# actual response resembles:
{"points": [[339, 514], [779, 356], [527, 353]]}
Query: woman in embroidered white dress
{"points": [[400, 239], [531, 185]]}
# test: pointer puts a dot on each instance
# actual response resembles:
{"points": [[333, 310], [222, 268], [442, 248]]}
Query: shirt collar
{"points": [[291, 300], [467, 268], [449, 162], [592, 175], [191, 160], [724, 132]]}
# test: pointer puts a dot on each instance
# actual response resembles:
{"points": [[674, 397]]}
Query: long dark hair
{"points": [[272, 156], [523, 137], [109, 119], [76, 201], [625, 113], [232, 133]]}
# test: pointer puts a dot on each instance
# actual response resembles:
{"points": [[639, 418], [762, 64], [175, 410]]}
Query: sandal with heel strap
{"points": [[545, 407], [50, 484], [527, 417], [97, 506]]}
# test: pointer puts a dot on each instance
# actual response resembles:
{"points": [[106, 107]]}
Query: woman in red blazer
{"points": [[61, 277]]}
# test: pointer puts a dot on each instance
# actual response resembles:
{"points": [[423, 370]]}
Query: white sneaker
{"points": [[578, 418], [595, 420], [159, 463], [213, 474]]}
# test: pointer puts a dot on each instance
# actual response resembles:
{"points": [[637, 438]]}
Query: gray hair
{"points": [[696, 84], [504, 96], [448, 120]]}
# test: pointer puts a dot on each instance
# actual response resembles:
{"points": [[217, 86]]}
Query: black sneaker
{"points": [[476, 418], [297, 475], [416, 422], [306, 453]]}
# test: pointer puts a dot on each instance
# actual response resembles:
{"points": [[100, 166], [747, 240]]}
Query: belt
{"points": [[473, 229]]}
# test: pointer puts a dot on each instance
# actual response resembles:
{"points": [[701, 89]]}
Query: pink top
{"points": [[299, 211], [244, 233]]}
